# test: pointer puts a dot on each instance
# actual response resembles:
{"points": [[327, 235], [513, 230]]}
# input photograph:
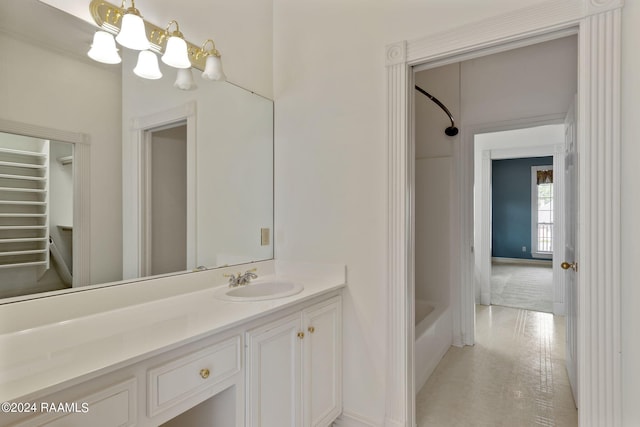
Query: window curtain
{"points": [[545, 177]]}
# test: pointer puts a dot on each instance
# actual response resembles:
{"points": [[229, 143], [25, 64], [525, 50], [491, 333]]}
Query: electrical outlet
{"points": [[524, 249], [264, 236]]}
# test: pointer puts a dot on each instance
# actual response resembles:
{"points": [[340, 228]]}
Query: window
{"points": [[542, 211]]}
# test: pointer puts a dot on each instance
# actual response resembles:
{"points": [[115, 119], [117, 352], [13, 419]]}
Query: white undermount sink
{"points": [[260, 289]]}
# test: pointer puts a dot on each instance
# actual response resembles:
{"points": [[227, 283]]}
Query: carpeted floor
{"points": [[522, 286]]}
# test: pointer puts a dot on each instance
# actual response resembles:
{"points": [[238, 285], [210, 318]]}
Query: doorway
{"points": [[486, 95], [516, 231], [165, 175], [598, 164]]}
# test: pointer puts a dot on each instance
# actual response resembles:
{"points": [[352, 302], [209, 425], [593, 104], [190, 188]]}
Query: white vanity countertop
{"points": [[36, 355]]}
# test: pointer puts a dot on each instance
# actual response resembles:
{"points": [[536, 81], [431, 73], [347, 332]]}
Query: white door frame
{"points": [[134, 188], [598, 324]]}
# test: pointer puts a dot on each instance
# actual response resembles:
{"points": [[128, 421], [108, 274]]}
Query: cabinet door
{"points": [[322, 372], [273, 374]]}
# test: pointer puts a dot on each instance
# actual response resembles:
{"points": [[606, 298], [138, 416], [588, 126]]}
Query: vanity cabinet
{"points": [[294, 369], [279, 368]]}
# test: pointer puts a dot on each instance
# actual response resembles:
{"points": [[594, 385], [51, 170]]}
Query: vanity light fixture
{"points": [[213, 65], [103, 49], [176, 54], [147, 66], [135, 33], [132, 33], [184, 80]]}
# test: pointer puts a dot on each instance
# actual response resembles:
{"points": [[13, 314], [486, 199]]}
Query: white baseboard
{"points": [[558, 309], [350, 419], [485, 298], [499, 260]]}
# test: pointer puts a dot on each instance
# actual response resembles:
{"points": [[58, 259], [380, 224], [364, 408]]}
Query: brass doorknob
{"points": [[204, 373], [311, 329], [565, 266]]}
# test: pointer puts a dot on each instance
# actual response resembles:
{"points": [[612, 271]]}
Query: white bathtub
{"points": [[433, 338]]}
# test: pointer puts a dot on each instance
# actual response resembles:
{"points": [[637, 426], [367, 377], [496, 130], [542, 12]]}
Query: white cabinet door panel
{"points": [[322, 371], [274, 383]]}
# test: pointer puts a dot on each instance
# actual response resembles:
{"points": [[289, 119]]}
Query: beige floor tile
{"points": [[514, 376]]}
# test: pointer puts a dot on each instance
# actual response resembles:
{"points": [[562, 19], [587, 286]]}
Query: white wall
{"points": [[532, 81], [331, 154], [233, 164], [630, 227], [434, 185], [46, 88]]}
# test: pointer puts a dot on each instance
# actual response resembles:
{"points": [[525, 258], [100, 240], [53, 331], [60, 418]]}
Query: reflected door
{"points": [[166, 200]]}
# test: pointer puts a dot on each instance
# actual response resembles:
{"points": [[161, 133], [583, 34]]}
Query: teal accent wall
{"points": [[511, 206]]}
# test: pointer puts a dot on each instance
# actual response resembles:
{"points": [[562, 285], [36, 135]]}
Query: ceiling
{"points": [[46, 26]]}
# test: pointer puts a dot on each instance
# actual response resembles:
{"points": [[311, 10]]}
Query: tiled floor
{"points": [[514, 376]]}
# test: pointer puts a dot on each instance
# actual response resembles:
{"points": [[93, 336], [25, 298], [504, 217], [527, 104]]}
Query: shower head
{"points": [[451, 130]]}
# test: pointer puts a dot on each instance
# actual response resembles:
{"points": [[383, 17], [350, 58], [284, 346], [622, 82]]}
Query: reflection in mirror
{"points": [[129, 207], [166, 247], [36, 215]]}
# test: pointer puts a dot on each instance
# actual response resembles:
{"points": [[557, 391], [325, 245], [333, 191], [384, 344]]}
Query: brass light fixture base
{"points": [[109, 18]]}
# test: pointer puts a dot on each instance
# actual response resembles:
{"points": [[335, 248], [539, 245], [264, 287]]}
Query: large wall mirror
{"points": [[106, 178]]}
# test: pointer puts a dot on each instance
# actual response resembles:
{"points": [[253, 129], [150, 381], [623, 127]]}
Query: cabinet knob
{"points": [[311, 329], [204, 373], [300, 335]]}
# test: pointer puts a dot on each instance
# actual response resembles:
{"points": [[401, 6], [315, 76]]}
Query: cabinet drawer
{"points": [[181, 378], [114, 406]]}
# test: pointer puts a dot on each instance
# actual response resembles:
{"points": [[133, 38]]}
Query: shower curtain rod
{"points": [[451, 130]]}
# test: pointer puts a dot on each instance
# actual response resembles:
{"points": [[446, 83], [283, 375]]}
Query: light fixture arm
{"points": [[211, 52], [177, 32], [132, 8]]}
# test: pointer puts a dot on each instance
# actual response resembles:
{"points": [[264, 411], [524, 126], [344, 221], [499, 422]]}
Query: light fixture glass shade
{"points": [[147, 66], [176, 55], [185, 81], [213, 69], [132, 33], [103, 49]]}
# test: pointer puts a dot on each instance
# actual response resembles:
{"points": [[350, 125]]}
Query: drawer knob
{"points": [[204, 373], [311, 329], [300, 335]]}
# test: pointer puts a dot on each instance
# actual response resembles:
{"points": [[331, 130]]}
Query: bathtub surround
{"points": [[434, 191], [433, 338]]}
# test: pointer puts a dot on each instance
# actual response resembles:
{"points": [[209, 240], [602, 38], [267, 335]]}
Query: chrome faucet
{"points": [[241, 279]]}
